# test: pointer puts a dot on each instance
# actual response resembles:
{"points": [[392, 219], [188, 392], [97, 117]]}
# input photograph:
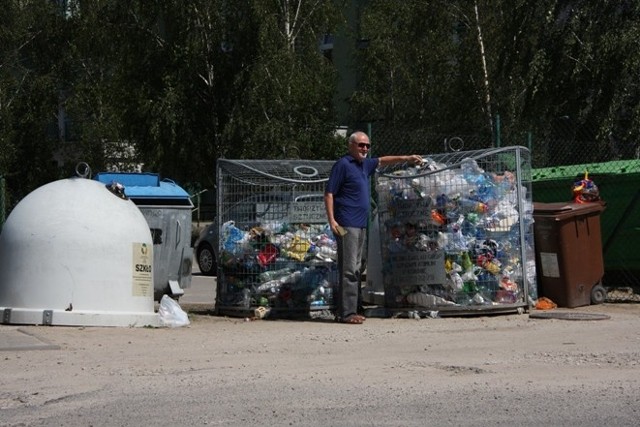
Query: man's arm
{"points": [[414, 159]]}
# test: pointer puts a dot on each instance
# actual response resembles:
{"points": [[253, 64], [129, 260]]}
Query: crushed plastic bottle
{"points": [[270, 275]]}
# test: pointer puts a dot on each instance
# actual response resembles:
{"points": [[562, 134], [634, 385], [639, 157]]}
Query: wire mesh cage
{"points": [[276, 251], [456, 233]]}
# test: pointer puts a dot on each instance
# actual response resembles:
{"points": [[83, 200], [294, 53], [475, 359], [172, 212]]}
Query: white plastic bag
{"points": [[171, 314]]}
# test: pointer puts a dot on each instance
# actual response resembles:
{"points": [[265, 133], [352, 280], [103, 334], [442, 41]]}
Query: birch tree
{"points": [[285, 94]]}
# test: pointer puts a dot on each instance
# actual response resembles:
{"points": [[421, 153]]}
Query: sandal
{"points": [[353, 319], [361, 317]]}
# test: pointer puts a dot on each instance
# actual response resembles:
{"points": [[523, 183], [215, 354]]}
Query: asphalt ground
{"points": [[581, 369], [199, 297]]}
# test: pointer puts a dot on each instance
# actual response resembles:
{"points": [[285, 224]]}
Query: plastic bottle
{"points": [[469, 205], [271, 286], [471, 172], [246, 297], [269, 275]]}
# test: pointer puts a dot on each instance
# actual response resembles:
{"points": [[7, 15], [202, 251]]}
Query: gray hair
{"points": [[352, 137]]}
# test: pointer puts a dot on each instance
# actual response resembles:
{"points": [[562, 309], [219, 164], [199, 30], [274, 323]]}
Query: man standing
{"points": [[347, 203]]}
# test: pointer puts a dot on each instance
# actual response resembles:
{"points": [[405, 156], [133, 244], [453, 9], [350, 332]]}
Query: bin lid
{"points": [[563, 210], [147, 188]]}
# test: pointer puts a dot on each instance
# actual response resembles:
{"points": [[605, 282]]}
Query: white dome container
{"points": [[74, 253]]}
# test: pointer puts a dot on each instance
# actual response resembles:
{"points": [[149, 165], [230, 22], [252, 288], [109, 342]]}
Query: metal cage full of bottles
{"points": [[456, 233], [276, 251]]}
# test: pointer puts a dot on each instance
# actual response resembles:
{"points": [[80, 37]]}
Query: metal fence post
{"points": [[2, 202]]}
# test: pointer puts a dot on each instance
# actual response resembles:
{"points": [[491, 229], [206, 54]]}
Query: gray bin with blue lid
{"points": [[167, 209]]}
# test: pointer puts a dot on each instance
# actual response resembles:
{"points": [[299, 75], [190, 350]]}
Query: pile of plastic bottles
{"points": [[472, 218], [289, 266]]}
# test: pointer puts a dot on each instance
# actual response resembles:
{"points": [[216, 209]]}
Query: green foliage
{"points": [[181, 84], [31, 34], [284, 95], [560, 69], [424, 66]]}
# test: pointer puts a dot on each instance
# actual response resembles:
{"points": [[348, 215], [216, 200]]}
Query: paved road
{"points": [[202, 289], [467, 371]]}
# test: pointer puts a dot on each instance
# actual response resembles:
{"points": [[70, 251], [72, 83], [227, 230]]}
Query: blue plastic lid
{"points": [[147, 188]]}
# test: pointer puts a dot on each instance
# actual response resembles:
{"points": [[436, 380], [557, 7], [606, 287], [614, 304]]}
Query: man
{"points": [[347, 203]]}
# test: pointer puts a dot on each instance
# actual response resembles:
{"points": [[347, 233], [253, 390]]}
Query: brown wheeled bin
{"points": [[569, 257]]}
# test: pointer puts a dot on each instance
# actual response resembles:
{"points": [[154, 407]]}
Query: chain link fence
{"points": [[563, 156]]}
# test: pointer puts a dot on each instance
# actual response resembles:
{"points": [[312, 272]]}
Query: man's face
{"points": [[360, 146]]}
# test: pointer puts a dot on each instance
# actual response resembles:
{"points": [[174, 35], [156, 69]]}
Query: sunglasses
{"points": [[364, 145]]}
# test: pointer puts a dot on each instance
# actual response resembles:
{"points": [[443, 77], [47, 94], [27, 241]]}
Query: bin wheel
{"points": [[598, 294]]}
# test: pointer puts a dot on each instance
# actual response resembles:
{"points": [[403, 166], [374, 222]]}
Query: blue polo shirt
{"points": [[349, 184]]}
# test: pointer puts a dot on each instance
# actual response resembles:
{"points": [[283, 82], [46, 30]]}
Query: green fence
{"points": [[619, 184]]}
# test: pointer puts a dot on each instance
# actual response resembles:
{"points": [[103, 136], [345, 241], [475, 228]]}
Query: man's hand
{"points": [[415, 159]]}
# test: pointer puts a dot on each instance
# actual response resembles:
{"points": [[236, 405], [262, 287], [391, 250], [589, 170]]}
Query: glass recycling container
{"points": [[276, 253], [456, 233]]}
